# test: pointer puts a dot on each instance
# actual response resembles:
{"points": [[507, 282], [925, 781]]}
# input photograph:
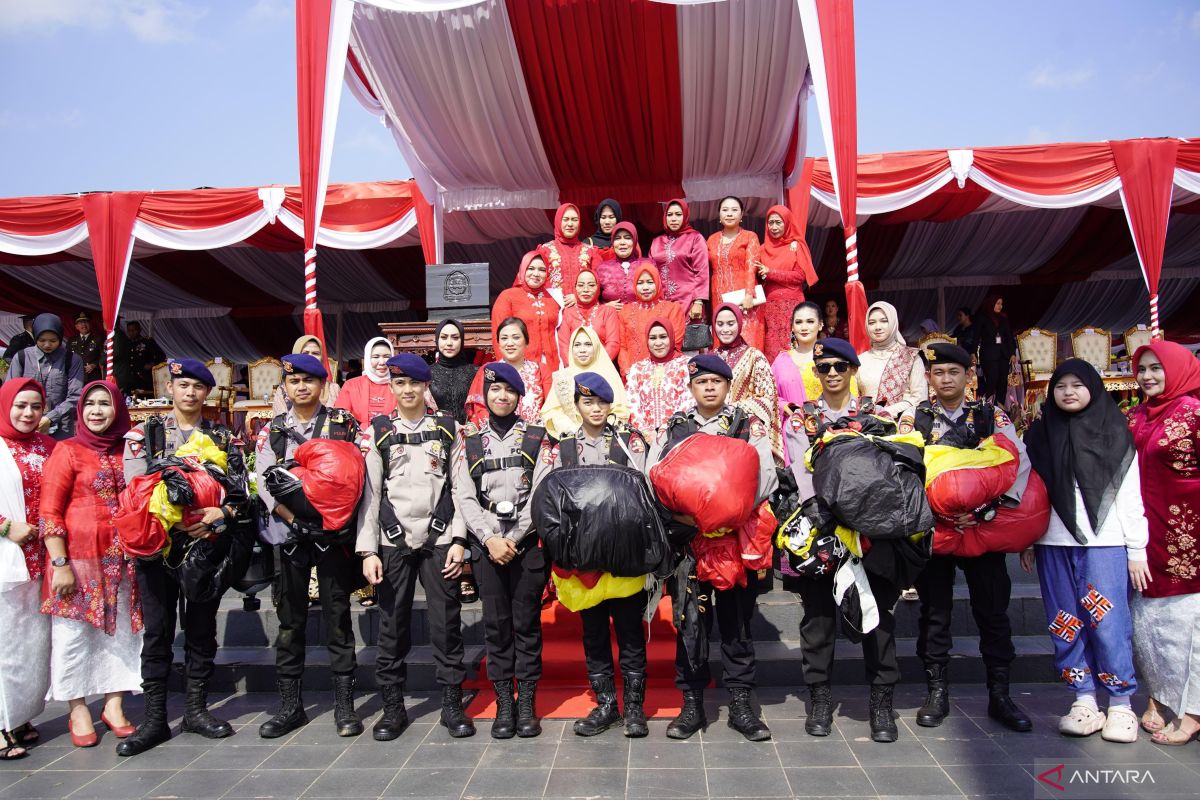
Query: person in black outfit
{"points": [[452, 370], [23, 339], [964, 332], [997, 348]]}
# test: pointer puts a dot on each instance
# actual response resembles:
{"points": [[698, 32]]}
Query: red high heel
{"points": [[119, 731], [86, 740]]}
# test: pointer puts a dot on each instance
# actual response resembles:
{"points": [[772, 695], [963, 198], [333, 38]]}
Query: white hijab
{"points": [[894, 336], [371, 376]]}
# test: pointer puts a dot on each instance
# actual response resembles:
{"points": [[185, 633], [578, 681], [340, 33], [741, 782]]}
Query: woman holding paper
{"points": [[734, 254]]}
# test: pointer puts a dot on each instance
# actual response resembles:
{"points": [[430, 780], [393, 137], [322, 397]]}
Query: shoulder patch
{"points": [[136, 448], [469, 429], [1001, 419], [810, 425], [637, 444], [796, 423], [757, 428], [549, 454]]}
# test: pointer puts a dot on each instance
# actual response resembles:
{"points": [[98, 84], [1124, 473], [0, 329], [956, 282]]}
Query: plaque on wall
{"points": [[452, 287]]}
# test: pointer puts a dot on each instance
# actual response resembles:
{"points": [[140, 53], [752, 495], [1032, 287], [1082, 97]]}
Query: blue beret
{"points": [[708, 364], [304, 364], [589, 384], [191, 368], [501, 372], [835, 348], [409, 365]]}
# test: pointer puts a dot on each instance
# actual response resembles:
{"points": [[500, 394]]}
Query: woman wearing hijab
{"points": [[657, 385], [1166, 615], [589, 311], [1094, 549], [370, 394], [587, 354], [637, 315], [60, 372], [616, 273], [753, 385], [734, 254], [607, 215], [997, 348], [512, 337], [786, 270], [452, 370], [530, 301], [90, 591], [891, 373], [312, 346], [565, 255], [25, 662], [681, 255]]}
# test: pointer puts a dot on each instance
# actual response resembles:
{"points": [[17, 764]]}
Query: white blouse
{"points": [[1124, 525]]}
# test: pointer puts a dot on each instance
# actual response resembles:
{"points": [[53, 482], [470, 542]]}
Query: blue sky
{"points": [[168, 94]]}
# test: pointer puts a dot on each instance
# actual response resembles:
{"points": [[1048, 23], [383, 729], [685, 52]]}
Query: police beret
{"points": [[304, 364], [708, 364], [409, 365], [191, 368], [500, 372], [832, 347], [589, 384], [945, 353]]}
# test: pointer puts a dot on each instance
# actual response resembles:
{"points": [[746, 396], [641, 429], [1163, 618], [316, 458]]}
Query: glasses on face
{"points": [[840, 367]]}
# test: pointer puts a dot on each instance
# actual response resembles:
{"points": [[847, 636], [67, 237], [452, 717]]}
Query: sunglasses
{"points": [[839, 366]]}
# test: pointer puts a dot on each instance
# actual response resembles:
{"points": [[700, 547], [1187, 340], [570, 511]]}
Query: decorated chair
{"points": [[1093, 345], [1137, 336], [1039, 350], [221, 397], [160, 377], [262, 378]]}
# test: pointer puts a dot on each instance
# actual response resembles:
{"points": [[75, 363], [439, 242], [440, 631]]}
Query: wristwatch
{"points": [[61, 561], [218, 527]]}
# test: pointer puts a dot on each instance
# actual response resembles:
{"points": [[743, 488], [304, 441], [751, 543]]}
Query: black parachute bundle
{"points": [[600, 518]]}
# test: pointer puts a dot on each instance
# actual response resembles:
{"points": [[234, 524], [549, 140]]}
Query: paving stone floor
{"points": [[966, 756]]}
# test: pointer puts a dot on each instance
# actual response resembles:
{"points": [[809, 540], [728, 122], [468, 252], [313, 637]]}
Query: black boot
{"points": [[691, 717], [505, 724], [344, 716], [291, 711], [820, 719], [937, 704], [394, 719], [743, 719], [1000, 706], [883, 727], [453, 717], [154, 729], [528, 724], [605, 714], [196, 716], [635, 699]]}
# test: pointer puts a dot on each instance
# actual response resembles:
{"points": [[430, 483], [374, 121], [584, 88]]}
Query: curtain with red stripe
{"points": [[110, 218]]}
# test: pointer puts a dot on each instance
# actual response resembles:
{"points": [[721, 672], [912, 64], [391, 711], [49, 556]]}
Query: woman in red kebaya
{"points": [[786, 269], [370, 394], [565, 255], [681, 255], [734, 255], [589, 312], [528, 300], [637, 316], [90, 590], [512, 339], [657, 386], [616, 274]]}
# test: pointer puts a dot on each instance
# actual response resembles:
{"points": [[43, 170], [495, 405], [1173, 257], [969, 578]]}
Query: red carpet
{"points": [[563, 692]]}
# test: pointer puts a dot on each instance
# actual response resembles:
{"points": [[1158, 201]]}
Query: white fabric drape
{"points": [[348, 278], [349, 240], [75, 282], [204, 339], [43, 245], [1187, 180]]}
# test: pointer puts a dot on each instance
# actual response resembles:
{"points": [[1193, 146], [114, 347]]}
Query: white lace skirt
{"points": [[1166, 649], [85, 661], [25, 656]]}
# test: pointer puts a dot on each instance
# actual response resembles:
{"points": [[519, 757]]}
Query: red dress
{"points": [[636, 317], [604, 319], [30, 456], [733, 264], [789, 272], [365, 400], [537, 310], [565, 257], [80, 493]]}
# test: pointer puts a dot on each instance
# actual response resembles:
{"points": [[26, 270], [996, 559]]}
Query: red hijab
{"points": [[8, 397], [1182, 375], [526, 260], [599, 289], [789, 249], [741, 321], [558, 234], [666, 326], [647, 269], [629, 228], [112, 439], [687, 217]]}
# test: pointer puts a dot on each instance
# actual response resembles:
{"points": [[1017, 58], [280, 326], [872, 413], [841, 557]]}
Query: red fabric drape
{"points": [[110, 218], [425, 225], [602, 75], [207, 208], [1061, 169], [886, 173], [39, 216], [799, 195], [357, 207], [1147, 170]]}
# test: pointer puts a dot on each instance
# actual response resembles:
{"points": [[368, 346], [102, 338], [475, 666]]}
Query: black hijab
{"points": [[1092, 448], [464, 356], [600, 238]]}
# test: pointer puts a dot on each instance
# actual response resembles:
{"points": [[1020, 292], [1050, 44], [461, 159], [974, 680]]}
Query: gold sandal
{"points": [[1173, 736]]}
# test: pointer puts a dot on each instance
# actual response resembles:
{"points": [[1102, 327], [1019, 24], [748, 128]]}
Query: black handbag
{"points": [[697, 336]]}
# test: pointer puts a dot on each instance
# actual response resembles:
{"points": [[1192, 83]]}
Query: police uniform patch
{"points": [[136, 448], [489, 375], [796, 423], [637, 445], [548, 454], [1002, 420], [757, 428]]}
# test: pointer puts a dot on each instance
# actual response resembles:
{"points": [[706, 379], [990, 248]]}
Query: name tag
{"points": [[998, 340]]}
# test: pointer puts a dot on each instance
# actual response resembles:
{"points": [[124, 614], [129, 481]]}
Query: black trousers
{"points": [[626, 616], [160, 612], [339, 573], [995, 379], [990, 588], [733, 609], [394, 597], [512, 614], [818, 632]]}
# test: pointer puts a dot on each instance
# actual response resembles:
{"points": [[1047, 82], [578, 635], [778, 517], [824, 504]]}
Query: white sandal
{"points": [[1121, 726], [1081, 720]]}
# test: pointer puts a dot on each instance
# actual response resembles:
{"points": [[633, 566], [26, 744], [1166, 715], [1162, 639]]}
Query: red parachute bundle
{"points": [[754, 538], [712, 479], [143, 520], [719, 561], [331, 473]]}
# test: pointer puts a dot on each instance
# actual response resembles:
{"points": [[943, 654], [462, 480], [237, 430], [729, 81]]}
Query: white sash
{"points": [[13, 571]]}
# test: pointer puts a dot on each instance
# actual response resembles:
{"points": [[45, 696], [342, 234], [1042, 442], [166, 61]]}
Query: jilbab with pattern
{"points": [[891, 373], [753, 385]]}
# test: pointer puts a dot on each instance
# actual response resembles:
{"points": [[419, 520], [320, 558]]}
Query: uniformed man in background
{"points": [[88, 348]]}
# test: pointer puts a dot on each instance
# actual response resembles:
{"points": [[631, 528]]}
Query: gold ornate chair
{"points": [[262, 378], [160, 377], [1039, 353], [1093, 345], [1137, 336], [221, 397]]}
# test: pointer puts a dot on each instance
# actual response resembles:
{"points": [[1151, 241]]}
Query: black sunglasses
{"points": [[840, 366]]}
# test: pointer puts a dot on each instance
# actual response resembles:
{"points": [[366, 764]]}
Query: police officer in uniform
{"points": [[140, 354], [709, 379], [23, 339], [157, 438], [492, 480], [88, 348], [339, 571], [407, 530], [597, 442], [836, 364], [950, 420]]}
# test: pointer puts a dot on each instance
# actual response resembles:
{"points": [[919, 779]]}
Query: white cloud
{"points": [[151, 21], [1047, 76], [270, 10]]}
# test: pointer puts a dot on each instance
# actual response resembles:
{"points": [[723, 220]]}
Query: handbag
{"points": [[697, 336]]}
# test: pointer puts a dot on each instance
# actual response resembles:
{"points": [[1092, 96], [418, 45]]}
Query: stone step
{"points": [[252, 669]]}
